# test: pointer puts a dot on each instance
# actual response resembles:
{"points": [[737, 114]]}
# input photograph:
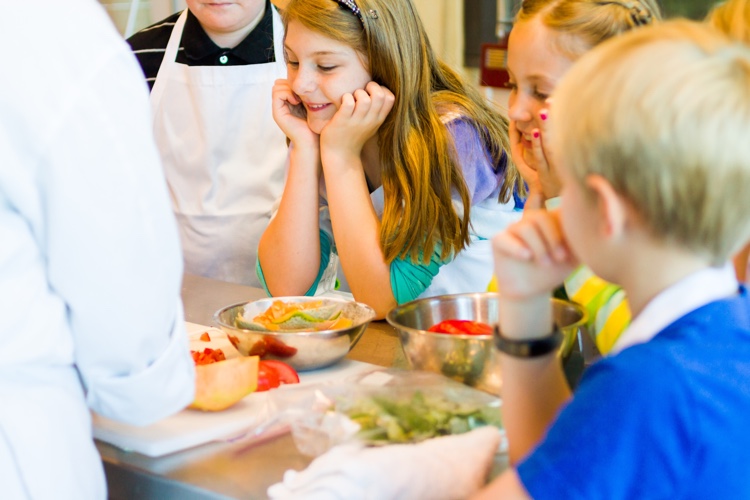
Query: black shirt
{"points": [[197, 49]]}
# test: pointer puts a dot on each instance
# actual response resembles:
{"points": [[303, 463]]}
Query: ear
{"points": [[612, 210]]}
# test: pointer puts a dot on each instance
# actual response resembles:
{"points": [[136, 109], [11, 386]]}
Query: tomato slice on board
{"points": [[287, 374], [461, 327], [268, 377], [205, 337]]}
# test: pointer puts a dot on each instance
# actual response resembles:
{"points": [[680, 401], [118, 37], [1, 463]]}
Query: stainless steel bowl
{"points": [[306, 350], [471, 359]]}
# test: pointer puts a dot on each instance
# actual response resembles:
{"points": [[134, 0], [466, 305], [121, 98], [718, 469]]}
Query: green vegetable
{"points": [[390, 420]]}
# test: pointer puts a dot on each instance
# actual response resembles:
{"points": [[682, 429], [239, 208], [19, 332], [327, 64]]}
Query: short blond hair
{"points": [[666, 121], [733, 18]]}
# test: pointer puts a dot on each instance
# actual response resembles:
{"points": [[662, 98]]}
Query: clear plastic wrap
{"points": [[382, 407]]}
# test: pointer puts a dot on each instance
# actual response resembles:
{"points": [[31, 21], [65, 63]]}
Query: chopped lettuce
{"points": [[385, 419]]}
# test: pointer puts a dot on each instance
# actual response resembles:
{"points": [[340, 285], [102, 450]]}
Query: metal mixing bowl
{"points": [[311, 349], [471, 359]]}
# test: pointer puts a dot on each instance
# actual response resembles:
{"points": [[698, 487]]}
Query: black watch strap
{"points": [[528, 348]]}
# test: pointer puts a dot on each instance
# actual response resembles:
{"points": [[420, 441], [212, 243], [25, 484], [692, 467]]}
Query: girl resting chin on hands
{"points": [[397, 167]]}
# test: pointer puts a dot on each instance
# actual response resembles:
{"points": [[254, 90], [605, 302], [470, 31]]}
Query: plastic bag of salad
{"points": [[383, 407]]}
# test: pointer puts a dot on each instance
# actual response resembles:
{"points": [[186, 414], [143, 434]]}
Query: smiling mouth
{"points": [[316, 107]]}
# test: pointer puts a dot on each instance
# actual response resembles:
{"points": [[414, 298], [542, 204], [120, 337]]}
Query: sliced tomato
{"points": [[461, 327], [205, 337], [268, 377], [287, 374], [278, 348]]}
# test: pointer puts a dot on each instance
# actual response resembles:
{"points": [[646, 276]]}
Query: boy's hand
{"points": [[357, 120], [531, 256]]}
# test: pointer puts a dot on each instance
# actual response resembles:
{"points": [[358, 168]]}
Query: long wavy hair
{"points": [[586, 23], [418, 159], [733, 18]]}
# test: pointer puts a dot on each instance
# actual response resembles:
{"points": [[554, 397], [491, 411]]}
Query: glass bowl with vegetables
{"points": [[305, 332], [452, 335]]}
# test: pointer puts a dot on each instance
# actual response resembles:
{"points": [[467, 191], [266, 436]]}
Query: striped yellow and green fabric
{"points": [[606, 304]]}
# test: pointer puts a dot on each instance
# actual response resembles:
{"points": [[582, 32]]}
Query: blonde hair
{"points": [[666, 122], [419, 164], [733, 18], [583, 24]]}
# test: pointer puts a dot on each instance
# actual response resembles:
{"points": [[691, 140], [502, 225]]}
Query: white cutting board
{"points": [[190, 428]]}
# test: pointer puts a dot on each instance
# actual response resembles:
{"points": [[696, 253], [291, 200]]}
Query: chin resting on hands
{"points": [[358, 118], [290, 115]]}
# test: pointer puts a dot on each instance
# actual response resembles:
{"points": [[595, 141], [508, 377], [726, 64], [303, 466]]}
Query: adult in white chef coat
{"points": [[90, 267], [212, 68]]}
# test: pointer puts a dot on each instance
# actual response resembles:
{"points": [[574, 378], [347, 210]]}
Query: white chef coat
{"points": [[90, 267], [223, 155]]}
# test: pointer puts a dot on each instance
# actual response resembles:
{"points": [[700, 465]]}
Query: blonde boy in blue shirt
{"points": [[651, 133]]}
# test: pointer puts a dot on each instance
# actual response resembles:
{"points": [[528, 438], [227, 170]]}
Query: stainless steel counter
{"points": [[225, 470]]}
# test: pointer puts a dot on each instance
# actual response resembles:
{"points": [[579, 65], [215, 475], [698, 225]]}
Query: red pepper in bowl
{"points": [[461, 327]]}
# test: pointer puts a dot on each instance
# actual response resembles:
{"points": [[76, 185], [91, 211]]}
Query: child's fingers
{"points": [[537, 149], [508, 245], [387, 102], [347, 107], [534, 240], [541, 233]]}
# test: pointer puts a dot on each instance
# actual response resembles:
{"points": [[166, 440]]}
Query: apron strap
{"points": [[170, 54]]}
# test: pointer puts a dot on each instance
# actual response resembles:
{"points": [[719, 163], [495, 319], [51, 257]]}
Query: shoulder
{"points": [[155, 36]]}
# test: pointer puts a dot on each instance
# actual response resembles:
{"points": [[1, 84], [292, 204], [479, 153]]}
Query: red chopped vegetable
{"points": [[208, 356], [272, 373], [461, 327]]}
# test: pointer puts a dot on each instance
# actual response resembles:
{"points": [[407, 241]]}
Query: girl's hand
{"points": [[532, 256], [546, 172], [357, 120], [528, 172], [290, 115]]}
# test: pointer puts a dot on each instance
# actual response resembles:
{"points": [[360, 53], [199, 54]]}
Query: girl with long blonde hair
{"points": [[397, 166]]}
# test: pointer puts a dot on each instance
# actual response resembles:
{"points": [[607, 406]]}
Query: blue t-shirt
{"points": [[669, 418]]}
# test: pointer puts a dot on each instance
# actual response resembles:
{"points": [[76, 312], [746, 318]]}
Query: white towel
{"points": [[449, 467]]}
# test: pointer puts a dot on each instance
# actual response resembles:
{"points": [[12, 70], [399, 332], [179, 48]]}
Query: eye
{"points": [[511, 86], [326, 68], [542, 96]]}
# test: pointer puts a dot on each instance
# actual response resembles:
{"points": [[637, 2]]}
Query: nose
{"points": [[303, 82], [519, 108]]}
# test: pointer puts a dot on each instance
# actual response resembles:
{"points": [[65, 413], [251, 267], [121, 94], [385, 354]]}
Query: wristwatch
{"points": [[528, 348]]}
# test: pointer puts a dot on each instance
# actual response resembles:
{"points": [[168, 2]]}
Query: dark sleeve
{"points": [[149, 44]]}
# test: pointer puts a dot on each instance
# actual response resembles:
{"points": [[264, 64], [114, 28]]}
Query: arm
{"points": [[112, 249], [531, 259], [605, 303], [289, 249], [356, 226]]}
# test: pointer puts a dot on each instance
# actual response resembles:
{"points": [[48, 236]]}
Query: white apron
{"points": [[223, 156]]}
